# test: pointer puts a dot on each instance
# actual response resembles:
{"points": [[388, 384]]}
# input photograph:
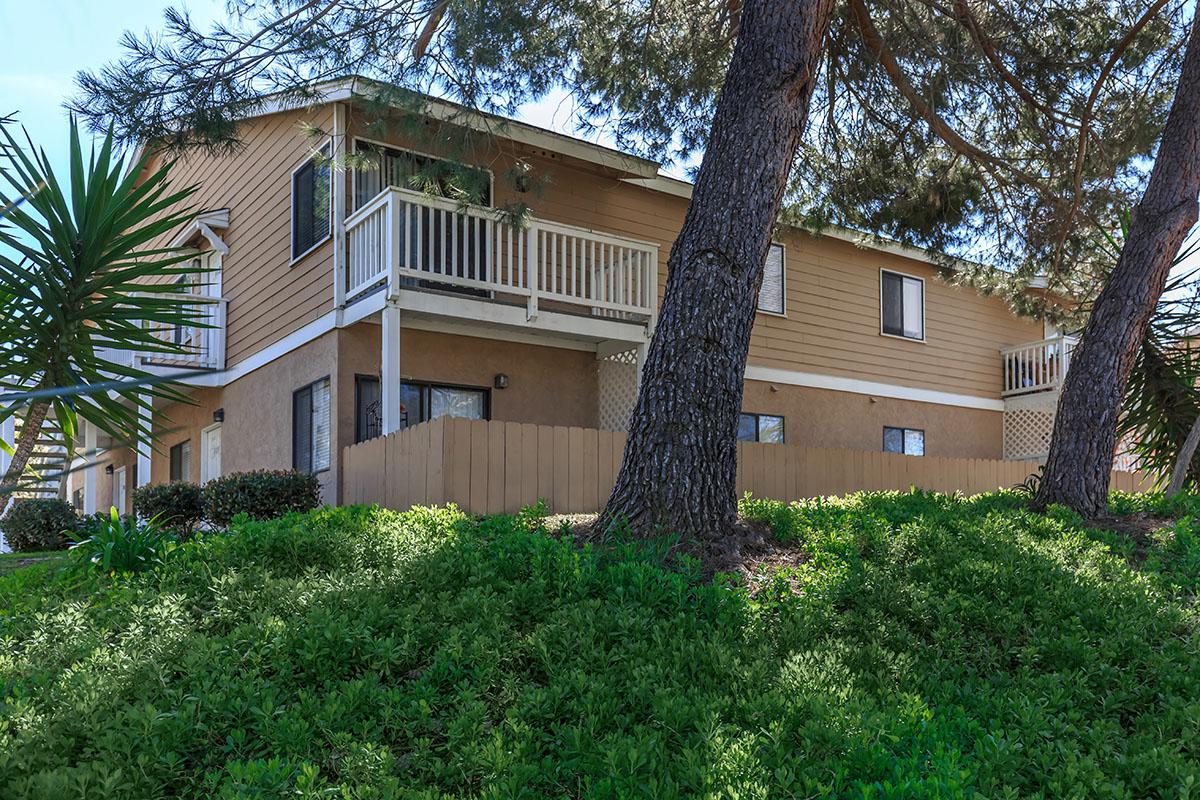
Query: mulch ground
{"points": [[750, 551], [1139, 527]]}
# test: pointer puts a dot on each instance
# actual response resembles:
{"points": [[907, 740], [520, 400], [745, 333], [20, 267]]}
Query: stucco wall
{"points": [[824, 418]]}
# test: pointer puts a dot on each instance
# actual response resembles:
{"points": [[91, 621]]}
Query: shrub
{"points": [[178, 505], [119, 544], [38, 524], [261, 494]]}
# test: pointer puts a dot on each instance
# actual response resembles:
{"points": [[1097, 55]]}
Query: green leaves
{"points": [[84, 272], [932, 646]]}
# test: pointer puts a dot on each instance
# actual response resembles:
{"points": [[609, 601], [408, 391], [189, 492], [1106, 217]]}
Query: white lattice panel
{"points": [[1028, 424], [618, 389]]}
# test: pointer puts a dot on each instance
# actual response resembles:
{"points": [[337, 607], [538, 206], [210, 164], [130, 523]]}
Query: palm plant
{"points": [[1160, 417], [84, 273]]}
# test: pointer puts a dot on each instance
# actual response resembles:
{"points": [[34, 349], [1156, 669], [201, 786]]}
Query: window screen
{"points": [[760, 428], [907, 441], [903, 306], [422, 402], [181, 461], [770, 294], [311, 427], [310, 203]]}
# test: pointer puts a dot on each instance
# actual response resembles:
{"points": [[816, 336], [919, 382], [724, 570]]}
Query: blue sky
{"points": [[46, 42]]}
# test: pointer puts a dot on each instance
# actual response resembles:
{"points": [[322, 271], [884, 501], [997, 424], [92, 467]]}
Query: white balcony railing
{"points": [[403, 238], [204, 346], [1036, 366]]}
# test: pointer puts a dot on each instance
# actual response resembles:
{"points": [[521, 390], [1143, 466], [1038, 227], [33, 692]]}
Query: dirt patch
{"points": [[1139, 527], [749, 551]]}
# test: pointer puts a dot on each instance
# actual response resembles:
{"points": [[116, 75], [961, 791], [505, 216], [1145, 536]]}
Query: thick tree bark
{"points": [[1183, 461], [679, 468], [31, 429], [1081, 448]]}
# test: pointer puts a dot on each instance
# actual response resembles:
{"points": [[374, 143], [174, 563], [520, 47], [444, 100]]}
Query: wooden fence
{"points": [[495, 467]]}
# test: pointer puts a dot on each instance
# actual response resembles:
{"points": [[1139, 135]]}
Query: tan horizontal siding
{"points": [[831, 287], [268, 297]]}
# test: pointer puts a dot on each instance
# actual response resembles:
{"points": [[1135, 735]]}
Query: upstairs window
{"points": [[760, 428], [902, 305], [388, 166], [906, 441], [310, 427], [770, 294], [311, 203]]}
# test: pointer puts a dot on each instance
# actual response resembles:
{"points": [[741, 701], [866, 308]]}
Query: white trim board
{"points": [[856, 386]]}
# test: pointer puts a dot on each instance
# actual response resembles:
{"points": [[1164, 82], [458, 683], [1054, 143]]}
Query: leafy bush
{"points": [[178, 505], [261, 494], [117, 544], [928, 646], [38, 524]]}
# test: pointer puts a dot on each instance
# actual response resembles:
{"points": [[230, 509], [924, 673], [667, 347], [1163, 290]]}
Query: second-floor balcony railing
{"points": [[408, 239], [203, 345], [1036, 366]]}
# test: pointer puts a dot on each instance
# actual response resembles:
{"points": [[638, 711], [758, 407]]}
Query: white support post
{"points": [[143, 450], [338, 175], [389, 368], [8, 434], [531, 271], [90, 445]]}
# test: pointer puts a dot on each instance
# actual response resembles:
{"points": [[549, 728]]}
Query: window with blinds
{"points": [[902, 305], [311, 203], [311, 427], [770, 295], [388, 166]]}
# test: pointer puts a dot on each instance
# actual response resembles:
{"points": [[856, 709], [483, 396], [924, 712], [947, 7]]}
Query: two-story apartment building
{"points": [[346, 305]]}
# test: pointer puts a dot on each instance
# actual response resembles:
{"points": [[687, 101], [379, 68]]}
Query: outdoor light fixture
{"points": [[500, 381], [108, 470], [219, 415]]}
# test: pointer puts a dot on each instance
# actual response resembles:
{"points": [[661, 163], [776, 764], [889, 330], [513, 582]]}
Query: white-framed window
{"points": [[760, 428], [901, 305], [311, 203], [906, 441], [311, 427], [770, 294]]}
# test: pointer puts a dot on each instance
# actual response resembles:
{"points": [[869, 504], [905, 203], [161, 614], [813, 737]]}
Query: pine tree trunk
{"points": [[1082, 446], [1183, 461], [679, 467], [31, 429]]}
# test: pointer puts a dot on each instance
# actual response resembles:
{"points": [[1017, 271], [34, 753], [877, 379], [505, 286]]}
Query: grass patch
{"points": [[10, 562], [929, 646]]}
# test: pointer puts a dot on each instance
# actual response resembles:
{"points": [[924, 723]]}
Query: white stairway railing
{"points": [[205, 346], [1036, 366], [408, 238]]}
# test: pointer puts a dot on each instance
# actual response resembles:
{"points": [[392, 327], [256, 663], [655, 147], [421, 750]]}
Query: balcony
{"points": [[1033, 379], [1037, 366], [203, 345], [407, 240]]}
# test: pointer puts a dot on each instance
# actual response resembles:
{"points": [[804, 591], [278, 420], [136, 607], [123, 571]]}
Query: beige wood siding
{"points": [[269, 297], [832, 324]]}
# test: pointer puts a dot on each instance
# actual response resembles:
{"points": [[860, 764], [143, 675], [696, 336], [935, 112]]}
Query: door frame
{"points": [[204, 433]]}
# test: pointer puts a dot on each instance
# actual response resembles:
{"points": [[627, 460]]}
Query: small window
{"points": [[310, 203], [770, 294], [181, 461], [902, 305], [906, 441], [368, 408], [310, 427], [760, 428], [421, 402]]}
